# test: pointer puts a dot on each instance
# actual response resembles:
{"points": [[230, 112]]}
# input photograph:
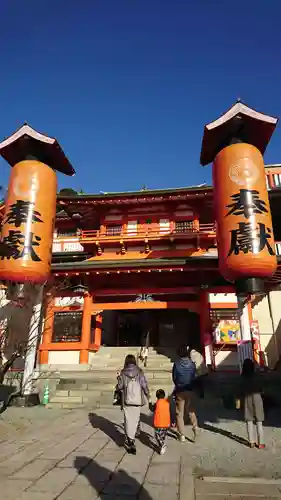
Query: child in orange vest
{"points": [[162, 420]]}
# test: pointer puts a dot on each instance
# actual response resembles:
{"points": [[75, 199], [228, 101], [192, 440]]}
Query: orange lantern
{"points": [[30, 207], [245, 240], [28, 222], [244, 225]]}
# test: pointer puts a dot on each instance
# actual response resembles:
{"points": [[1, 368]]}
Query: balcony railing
{"points": [[67, 245], [150, 231]]}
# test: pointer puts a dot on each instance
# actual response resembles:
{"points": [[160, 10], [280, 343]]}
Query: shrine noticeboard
{"points": [[227, 332]]}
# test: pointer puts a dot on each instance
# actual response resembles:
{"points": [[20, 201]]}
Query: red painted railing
{"points": [[146, 231]]}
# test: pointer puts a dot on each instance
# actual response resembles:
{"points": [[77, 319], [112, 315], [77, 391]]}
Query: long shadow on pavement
{"points": [[105, 482], [112, 430]]}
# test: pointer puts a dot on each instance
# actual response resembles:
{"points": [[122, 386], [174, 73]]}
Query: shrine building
{"points": [[129, 263]]}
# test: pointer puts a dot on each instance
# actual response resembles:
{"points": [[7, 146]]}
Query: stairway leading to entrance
{"points": [[94, 388]]}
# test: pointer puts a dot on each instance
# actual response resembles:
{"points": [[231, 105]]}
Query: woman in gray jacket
{"points": [[134, 390]]}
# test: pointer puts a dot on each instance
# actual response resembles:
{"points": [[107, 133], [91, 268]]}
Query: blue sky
{"points": [[126, 86]]}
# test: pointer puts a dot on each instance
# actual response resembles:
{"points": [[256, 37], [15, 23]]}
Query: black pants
{"points": [[161, 436], [199, 386]]}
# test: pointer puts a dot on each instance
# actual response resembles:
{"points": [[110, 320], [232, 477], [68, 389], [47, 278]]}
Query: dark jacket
{"points": [[250, 391], [183, 374], [132, 371]]}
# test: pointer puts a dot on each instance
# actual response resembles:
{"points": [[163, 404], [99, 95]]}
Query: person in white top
{"points": [[201, 370]]}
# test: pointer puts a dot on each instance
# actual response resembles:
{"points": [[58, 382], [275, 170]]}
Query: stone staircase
{"points": [[94, 388]]}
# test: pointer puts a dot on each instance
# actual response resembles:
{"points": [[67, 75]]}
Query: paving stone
{"points": [[59, 451], [9, 450], [111, 454], [55, 481], [234, 497], [92, 447], [72, 462], [104, 462], [8, 469], [97, 474], [28, 454], [75, 491], [123, 484], [28, 495], [133, 464], [159, 492], [120, 497], [11, 489], [163, 473], [35, 469], [171, 456], [206, 487]]}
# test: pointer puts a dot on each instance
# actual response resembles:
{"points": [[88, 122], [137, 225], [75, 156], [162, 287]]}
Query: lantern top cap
{"points": [[27, 142], [239, 122]]}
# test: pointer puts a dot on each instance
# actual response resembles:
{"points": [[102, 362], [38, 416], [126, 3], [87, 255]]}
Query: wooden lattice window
{"points": [[113, 229], [67, 232], [183, 226]]}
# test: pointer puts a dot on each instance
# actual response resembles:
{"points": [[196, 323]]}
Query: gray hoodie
{"points": [[132, 371]]}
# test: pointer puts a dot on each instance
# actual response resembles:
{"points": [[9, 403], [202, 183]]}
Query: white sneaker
{"points": [[163, 449], [182, 438]]}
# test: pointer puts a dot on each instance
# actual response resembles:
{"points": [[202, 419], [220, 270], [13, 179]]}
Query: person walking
{"points": [[253, 404], [134, 390], [183, 377], [162, 420], [201, 371], [143, 355]]}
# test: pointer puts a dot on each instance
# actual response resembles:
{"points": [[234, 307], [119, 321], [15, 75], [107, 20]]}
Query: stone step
{"points": [[109, 382], [73, 406], [111, 373], [120, 363], [100, 391]]}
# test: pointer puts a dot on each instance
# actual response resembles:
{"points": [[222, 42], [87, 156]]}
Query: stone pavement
{"points": [[65, 455]]}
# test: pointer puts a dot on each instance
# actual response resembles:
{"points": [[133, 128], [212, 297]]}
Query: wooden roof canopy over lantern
{"points": [[29, 144], [231, 142], [26, 143], [239, 122]]}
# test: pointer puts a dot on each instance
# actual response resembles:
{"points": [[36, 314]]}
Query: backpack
{"points": [[132, 392]]}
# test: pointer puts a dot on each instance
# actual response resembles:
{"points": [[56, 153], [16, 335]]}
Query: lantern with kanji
{"points": [[235, 143], [30, 205]]}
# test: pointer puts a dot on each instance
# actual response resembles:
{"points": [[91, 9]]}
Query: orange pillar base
{"points": [[43, 357], [84, 357]]}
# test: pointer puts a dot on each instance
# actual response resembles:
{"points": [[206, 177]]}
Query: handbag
{"points": [[117, 398]]}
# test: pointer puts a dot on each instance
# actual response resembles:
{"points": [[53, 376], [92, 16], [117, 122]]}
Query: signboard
{"points": [[227, 332]]}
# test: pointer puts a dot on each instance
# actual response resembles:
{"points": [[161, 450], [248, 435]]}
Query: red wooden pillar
{"points": [[205, 327], [86, 329], [98, 332], [47, 331]]}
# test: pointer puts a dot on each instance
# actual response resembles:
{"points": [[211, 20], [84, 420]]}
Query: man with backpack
{"points": [[183, 377], [134, 390]]}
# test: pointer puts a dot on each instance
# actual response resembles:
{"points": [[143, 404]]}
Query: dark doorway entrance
{"points": [[157, 328], [128, 328]]}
